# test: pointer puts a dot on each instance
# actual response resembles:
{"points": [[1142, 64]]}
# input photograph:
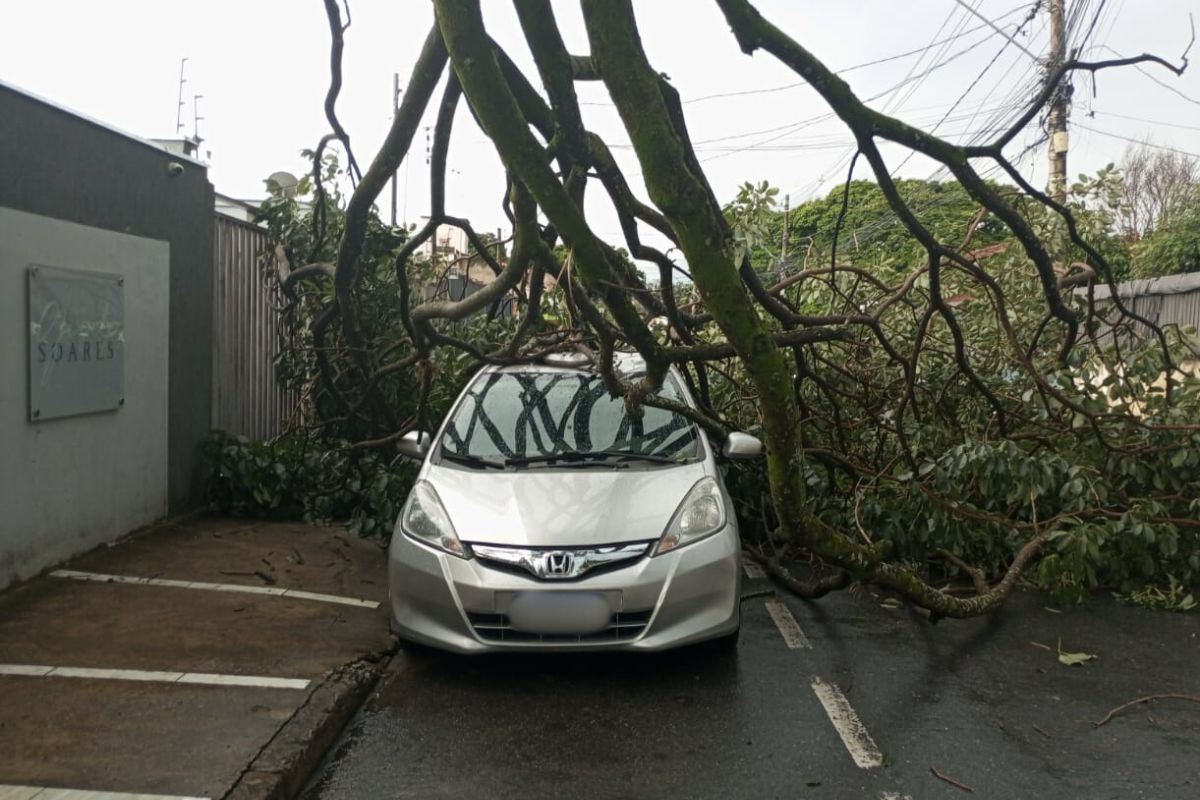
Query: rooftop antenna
{"points": [[179, 106], [196, 98]]}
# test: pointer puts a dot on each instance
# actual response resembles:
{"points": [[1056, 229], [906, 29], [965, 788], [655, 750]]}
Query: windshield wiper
{"points": [[473, 461], [599, 456]]}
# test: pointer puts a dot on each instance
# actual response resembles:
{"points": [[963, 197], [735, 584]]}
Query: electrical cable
{"points": [[1137, 141]]}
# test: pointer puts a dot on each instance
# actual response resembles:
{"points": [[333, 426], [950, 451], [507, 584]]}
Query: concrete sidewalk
{"points": [[209, 658]]}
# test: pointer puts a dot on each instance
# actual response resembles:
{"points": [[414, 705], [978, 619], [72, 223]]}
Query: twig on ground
{"points": [[1169, 696], [950, 780]]}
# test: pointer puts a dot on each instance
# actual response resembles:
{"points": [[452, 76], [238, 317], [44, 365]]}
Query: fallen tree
{"points": [[839, 370]]}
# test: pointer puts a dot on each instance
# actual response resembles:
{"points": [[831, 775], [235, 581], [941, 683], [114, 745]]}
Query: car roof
{"points": [[626, 363]]}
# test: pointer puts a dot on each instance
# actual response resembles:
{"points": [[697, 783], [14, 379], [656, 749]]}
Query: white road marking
{"points": [[24, 669], [793, 636], [846, 722], [205, 679], [99, 577], [208, 679], [47, 793], [753, 571], [895, 796]]}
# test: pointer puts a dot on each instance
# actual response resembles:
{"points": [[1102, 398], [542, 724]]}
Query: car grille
{"points": [[623, 627], [559, 564]]}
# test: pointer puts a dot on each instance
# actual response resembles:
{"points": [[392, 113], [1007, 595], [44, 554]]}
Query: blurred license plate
{"points": [[559, 612]]}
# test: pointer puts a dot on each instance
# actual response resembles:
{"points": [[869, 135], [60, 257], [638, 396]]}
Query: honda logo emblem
{"points": [[558, 564]]}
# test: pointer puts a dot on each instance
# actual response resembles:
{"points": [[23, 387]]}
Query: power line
{"points": [[842, 71], [971, 87], [998, 30], [1148, 121], [814, 186], [809, 122], [1092, 27], [1138, 141], [909, 79], [897, 101]]}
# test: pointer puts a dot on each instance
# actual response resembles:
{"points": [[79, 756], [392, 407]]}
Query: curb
{"points": [[285, 763]]}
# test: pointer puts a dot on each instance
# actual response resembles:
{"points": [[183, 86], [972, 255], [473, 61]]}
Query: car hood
{"points": [[562, 508]]}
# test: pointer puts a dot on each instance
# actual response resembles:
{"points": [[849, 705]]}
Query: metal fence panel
{"points": [[247, 400], [1170, 300]]}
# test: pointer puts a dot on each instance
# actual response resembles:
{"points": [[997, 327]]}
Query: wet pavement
{"points": [[983, 702], [167, 662]]}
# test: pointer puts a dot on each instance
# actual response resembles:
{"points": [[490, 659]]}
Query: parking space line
{"points": [[847, 724], [201, 678], [753, 571], [208, 679], [98, 577], [23, 669], [793, 636], [48, 793]]}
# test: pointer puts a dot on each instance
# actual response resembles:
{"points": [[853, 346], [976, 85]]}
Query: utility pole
{"points": [[395, 111], [1057, 121]]}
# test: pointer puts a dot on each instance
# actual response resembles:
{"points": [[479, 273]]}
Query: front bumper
{"points": [[678, 598]]}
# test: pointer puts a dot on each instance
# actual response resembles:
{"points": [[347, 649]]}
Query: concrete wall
{"points": [[69, 484], [57, 164]]}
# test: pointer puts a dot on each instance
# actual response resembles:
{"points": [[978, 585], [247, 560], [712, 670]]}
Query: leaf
{"points": [[1073, 659], [890, 602]]}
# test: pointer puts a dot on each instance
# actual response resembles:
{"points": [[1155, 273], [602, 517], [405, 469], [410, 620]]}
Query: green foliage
{"points": [[750, 216], [312, 472], [1144, 215], [301, 476], [1099, 204], [1173, 247], [1174, 597], [870, 235], [1118, 504]]}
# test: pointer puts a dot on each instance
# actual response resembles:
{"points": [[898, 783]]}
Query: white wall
{"points": [[67, 485]]}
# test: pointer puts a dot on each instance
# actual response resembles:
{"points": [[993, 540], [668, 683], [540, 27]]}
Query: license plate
{"points": [[559, 612]]}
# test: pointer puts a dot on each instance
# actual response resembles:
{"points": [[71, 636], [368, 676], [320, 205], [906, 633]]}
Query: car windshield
{"points": [[550, 417]]}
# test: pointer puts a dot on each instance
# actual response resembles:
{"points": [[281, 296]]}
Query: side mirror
{"points": [[741, 446], [414, 445]]}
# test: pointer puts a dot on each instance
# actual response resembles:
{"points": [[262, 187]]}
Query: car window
{"points": [[521, 414]]}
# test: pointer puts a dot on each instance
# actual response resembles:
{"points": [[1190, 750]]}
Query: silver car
{"points": [[546, 516]]}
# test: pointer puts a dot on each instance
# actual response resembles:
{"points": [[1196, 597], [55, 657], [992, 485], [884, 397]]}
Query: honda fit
{"points": [[548, 515]]}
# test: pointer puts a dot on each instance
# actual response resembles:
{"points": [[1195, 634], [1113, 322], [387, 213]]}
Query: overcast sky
{"points": [[262, 68]]}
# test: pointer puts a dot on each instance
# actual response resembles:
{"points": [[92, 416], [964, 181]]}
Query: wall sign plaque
{"points": [[76, 342]]}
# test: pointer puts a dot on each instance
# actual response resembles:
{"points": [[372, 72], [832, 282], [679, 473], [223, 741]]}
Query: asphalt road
{"points": [[983, 702]]}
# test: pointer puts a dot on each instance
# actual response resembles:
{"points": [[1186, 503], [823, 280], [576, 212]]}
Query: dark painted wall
{"points": [[57, 164]]}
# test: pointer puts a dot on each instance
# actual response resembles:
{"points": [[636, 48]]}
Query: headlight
{"points": [[425, 519], [701, 513]]}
